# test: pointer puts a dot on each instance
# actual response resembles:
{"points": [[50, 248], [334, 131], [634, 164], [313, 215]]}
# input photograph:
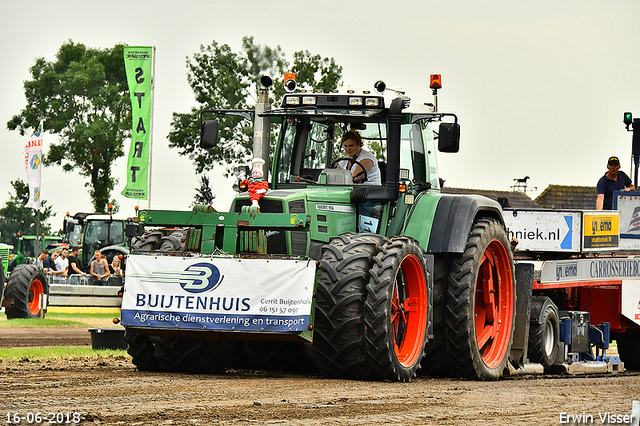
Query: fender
{"points": [[121, 250], [454, 217]]}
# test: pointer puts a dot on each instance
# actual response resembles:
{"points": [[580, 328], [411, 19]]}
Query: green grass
{"points": [[53, 319], [57, 352]]}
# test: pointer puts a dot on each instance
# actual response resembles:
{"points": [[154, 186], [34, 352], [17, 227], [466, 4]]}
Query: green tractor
{"points": [[91, 232], [5, 249], [374, 280], [30, 247], [23, 290]]}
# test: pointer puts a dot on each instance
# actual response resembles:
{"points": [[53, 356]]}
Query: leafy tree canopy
{"points": [[223, 79], [15, 217], [84, 98]]}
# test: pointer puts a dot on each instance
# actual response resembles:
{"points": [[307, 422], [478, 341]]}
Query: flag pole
{"points": [[38, 229], [153, 101], [38, 218]]}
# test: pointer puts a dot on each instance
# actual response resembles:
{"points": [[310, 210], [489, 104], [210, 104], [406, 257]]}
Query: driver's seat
{"points": [[335, 177]]}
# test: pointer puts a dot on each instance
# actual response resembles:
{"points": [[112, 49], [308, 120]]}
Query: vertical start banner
{"points": [[33, 166], [138, 62]]}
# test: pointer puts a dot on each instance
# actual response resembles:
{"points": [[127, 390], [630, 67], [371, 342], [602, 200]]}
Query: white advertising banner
{"points": [[544, 230], [601, 269], [33, 166], [220, 294]]}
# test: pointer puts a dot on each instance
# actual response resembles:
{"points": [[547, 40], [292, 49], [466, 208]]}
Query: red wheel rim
{"points": [[35, 293], [409, 311], [494, 304]]}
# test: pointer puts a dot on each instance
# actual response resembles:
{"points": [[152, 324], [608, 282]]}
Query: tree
{"points": [[84, 98], [223, 79], [15, 217]]}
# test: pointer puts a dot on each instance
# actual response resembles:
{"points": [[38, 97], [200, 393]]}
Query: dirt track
{"points": [[109, 391]]}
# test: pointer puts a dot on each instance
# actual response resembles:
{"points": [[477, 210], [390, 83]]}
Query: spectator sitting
{"points": [[100, 269]]}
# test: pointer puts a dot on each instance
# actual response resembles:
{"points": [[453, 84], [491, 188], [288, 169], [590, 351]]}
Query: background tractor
{"points": [[30, 247], [91, 232], [23, 290]]}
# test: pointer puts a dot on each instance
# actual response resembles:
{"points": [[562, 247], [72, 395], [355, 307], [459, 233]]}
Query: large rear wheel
{"points": [[26, 286], [396, 310], [481, 303], [339, 331]]}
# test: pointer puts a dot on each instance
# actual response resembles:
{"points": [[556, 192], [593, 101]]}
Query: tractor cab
{"points": [[309, 146], [91, 232]]}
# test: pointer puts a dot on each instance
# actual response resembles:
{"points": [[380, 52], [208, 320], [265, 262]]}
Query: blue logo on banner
{"points": [[207, 279], [197, 278]]}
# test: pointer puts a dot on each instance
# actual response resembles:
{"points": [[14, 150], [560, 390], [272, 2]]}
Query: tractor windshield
{"points": [[309, 145], [29, 248], [103, 233], [74, 238]]}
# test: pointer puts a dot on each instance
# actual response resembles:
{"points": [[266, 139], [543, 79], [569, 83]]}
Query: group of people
{"points": [[62, 263]]}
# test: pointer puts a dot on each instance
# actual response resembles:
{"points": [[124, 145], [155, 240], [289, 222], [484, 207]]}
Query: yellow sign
{"points": [[601, 230]]}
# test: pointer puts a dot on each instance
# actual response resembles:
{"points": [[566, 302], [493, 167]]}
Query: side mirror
{"points": [[134, 229], [67, 227], [449, 137], [209, 134]]}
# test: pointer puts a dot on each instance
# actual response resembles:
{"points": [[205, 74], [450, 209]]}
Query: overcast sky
{"points": [[539, 87]]}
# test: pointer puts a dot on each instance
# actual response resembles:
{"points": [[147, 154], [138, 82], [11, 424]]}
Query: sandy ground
{"points": [[110, 391]]}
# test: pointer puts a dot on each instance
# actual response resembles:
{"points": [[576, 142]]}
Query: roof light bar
{"points": [[292, 100]]}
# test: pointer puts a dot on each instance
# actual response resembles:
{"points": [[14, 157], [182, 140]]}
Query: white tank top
{"points": [[373, 174]]}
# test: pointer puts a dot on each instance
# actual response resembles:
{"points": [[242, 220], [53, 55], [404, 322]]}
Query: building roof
{"points": [[514, 199], [568, 197]]}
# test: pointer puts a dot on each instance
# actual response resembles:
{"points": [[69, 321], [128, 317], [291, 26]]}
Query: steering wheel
{"points": [[364, 171]]}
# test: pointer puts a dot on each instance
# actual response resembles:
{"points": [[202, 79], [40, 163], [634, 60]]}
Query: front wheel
{"points": [[544, 334], [195, 355], [396, 310], [339, 335], [140, 348], [481, 303], [26, 286]]}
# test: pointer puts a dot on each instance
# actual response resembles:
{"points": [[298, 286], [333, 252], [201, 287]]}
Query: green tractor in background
{"points": [[23, 289], [4, 264], [30, 247], [90, 232]]}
